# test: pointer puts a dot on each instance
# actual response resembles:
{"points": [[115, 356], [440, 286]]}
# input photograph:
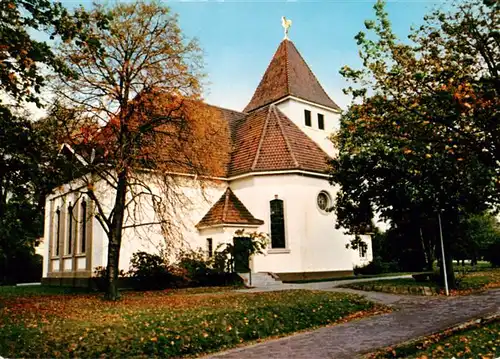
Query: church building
{"points": [[276, 183]]}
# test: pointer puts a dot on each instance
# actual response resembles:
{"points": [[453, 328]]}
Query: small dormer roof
{"points": [[228, 210]]}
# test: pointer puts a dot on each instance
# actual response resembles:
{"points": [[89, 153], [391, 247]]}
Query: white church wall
{"points": [[357, 258], [294, 110], [219, 236], [324, 247], [46, 235], [255, 193], [312, 242], [65, 263], [216, 234], [99, 240], [192, 203]]}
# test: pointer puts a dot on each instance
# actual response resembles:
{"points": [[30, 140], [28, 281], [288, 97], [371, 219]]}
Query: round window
{"points": [[324, 202]]}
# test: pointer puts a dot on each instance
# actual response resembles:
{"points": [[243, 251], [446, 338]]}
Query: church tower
{"points": [[290, 84]]}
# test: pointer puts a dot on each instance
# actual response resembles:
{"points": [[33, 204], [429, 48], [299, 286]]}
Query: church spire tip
{"points": [[286, 23]]}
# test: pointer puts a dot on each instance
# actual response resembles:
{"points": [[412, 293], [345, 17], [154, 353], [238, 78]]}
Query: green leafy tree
{"points": [[28, 164], [419, 140], [479, 233]]}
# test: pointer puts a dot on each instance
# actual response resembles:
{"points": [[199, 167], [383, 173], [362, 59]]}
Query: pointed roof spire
{"points": [[289, 75]]}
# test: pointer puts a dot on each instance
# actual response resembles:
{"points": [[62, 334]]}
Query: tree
{"points": [[28, 164], [420, 140], [23, 59], [478, 234], [140, 91], [447, 77]]}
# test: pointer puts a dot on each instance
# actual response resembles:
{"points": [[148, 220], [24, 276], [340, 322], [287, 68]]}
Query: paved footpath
{"points": [[414, 316], [319, 285]]}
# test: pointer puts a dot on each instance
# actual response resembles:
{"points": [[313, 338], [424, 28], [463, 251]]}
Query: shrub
{"points": [[150, 271], [376, 266], [201, 271], [196, 266]]}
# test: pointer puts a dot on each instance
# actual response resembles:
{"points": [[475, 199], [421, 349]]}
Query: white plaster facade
{"points": [[313, 244], [294, 108]]}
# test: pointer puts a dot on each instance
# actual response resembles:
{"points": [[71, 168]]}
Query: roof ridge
{"points": [[225, 108], [285, 137], [226, 201], [260, 82], [287, 67], [314, 143], [313, 75], [261, 140]]}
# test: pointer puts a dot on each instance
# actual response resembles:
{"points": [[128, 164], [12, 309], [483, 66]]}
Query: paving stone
{"points": [[413, 317]]}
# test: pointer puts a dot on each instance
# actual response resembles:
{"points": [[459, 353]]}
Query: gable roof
{"points": [[288, 75], [267, 140], [228, 210]]}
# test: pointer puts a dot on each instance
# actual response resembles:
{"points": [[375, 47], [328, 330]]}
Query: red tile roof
{"points": [[228, 210], [267, 140], [288, 75], [264, 139]]}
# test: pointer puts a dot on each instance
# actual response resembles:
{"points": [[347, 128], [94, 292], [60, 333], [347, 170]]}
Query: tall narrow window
{"points": [[362, 251], [210, 247], [277, 224], [321, 121], [307, 117], [83, 239], [70, 228], [58, 230]]}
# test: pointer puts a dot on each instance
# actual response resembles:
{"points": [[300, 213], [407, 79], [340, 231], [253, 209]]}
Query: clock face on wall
{"points": [[323, 201]]}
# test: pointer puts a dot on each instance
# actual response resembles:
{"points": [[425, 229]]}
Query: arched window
{"points": [[70, 228], [83, 239], [58, 230], [277, 224]]}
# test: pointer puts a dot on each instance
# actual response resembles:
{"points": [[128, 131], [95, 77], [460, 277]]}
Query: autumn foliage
{"points": [[169, 324], [145, 129], [421, 137]]}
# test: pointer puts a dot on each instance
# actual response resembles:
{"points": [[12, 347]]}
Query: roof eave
{"points": [[235, 225]]}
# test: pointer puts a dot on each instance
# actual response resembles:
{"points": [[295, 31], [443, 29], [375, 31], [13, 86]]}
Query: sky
{"points": [[239, 38]]}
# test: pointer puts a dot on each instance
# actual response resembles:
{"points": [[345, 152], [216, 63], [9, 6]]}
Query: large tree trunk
{"points": [[473, 261], [115, 239]]}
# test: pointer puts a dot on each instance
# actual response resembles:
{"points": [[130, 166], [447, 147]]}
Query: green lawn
{"points": [[351, 277], [481, 265], [478, 342], [469, 282], [40, 290], [36, 290], [164, 323]]}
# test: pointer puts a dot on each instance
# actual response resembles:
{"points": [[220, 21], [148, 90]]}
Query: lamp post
{"points": [[443, 256]]}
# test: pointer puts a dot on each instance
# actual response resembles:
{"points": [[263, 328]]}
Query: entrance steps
{"points": [[260, 279]]}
